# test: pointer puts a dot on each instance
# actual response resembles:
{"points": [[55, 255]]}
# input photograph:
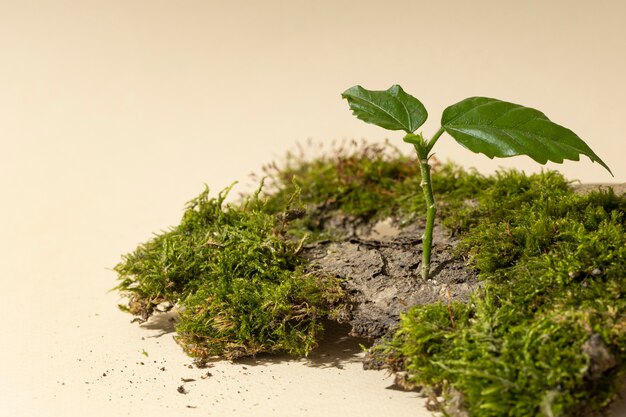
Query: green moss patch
{"points": [[544, 335], [236, 278], [367, 182]]}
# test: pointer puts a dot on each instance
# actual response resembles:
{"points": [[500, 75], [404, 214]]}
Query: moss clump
{"points": [[367, 182], [237, 278], [545, 334], [547, 331]]}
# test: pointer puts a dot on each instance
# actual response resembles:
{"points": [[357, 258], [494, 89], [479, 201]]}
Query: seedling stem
{"points": [[423, 149]]}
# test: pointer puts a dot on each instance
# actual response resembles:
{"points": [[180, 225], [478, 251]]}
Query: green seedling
{"points": [[483, 125]]}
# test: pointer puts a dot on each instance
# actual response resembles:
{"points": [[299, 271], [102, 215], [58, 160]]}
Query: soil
{"points": [[380, 267]]}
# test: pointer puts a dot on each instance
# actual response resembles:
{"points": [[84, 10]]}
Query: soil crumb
{"points": [[380, 265]]}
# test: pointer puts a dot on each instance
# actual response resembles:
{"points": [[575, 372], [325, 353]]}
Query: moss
{"points": [[238, 280], [552, 264], [368, 182]]}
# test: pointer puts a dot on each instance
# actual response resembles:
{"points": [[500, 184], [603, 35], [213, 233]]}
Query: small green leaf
{"points": [[500, 129], [392, 109]]}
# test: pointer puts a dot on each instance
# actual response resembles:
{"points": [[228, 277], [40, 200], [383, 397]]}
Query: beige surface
{"points": [[618, 189], [113, 114]]}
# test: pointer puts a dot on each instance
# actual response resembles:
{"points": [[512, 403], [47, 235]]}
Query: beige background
{"points": [[114, 113]]}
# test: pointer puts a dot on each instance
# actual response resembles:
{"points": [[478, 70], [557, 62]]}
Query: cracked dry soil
{"points": [[380, 268]]}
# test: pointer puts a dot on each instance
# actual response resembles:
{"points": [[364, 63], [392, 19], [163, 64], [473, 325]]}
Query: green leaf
{"points": [[391, 109], [500, 129]]}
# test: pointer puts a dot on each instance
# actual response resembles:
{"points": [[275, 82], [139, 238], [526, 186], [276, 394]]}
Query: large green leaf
{"points": [[497, 128], [391, 109]]}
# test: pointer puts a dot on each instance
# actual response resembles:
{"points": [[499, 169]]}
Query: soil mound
{"points": [[380, 267]]}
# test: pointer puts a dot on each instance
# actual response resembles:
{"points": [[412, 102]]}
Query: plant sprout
{"points": [[483, 125]]}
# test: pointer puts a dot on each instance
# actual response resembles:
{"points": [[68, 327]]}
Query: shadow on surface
{"points": [[335, 351], [164, 322]]}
